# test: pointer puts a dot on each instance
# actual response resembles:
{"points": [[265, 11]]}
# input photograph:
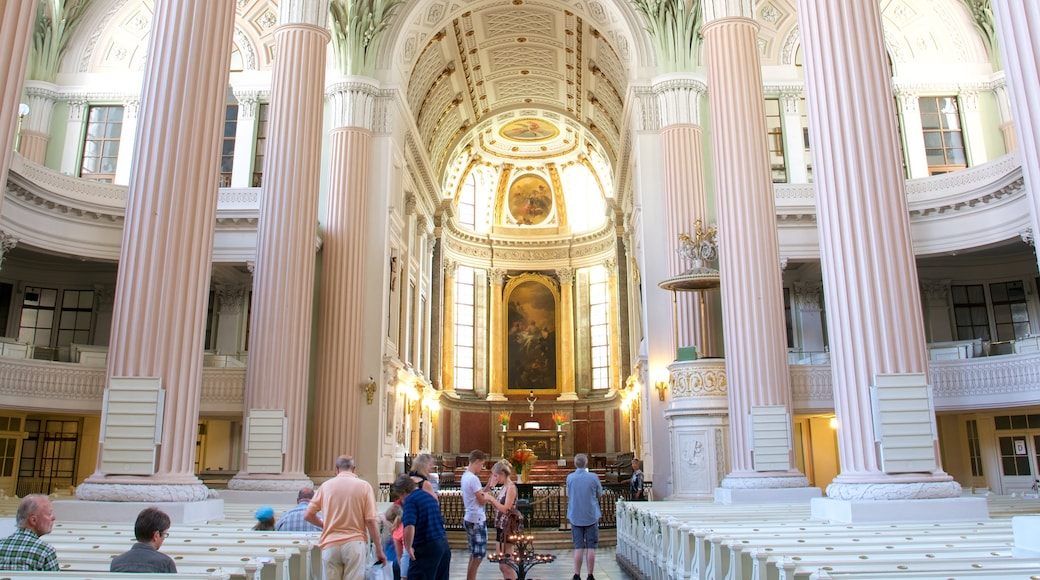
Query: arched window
{"points": [[586, 208]]}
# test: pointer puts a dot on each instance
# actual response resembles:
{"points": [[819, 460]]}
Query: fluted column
{"points": [[159, 318], [869, 274], [1018, 28], [278, 373], [245, 138], [614, 299], [497, 374], [565, 332], [451, 267], [36, 126], [751, 289], [16, 28], [124, 161], [338, 400], [679, 101]]}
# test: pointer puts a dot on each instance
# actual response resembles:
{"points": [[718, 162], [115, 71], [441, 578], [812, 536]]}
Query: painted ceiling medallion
{"points": [[530, 200], [528, 130]]}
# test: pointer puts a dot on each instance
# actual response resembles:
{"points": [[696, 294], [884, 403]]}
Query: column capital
{"points": [[247, 102], [358, 102], [611, 266], [808, 295], [935, 290], [411, 204], [648, 117], [77, 108], [451, 267], [230, 299], [719, 9], [907, 99], [679, 99], [7, 243], [789, 99], [131, 105], [497, 276], [566, 275], [1027, 236], [313, 12], [969, 100]]}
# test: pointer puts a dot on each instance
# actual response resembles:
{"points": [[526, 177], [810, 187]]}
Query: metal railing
{"points": [[543, 506]]}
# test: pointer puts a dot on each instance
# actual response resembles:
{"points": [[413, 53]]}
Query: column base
{"points": [[256, 483], [894, 490], [567, 397], [180, 512], [794, 480], [496, 397], [729, 496], [899, 510], [259, 498], [122, 491]]}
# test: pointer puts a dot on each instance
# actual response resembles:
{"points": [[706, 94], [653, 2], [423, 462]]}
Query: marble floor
{"points": [[562, 569]]}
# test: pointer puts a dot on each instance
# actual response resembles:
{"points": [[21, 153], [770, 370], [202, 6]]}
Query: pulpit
{"points": [[546, 444]]}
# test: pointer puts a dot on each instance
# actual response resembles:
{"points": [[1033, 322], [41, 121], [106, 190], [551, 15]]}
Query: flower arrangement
{"points": [[521, 458], [559, 418], [503, 418]]}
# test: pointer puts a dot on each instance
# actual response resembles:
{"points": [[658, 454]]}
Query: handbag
{"points": [[514, 524], [375, 570]]}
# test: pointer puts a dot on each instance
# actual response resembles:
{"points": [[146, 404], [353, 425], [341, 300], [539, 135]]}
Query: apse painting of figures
{"points": [[531, 324]]}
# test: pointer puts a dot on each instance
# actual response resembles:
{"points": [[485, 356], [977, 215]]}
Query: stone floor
{"points": [[562, 569]]}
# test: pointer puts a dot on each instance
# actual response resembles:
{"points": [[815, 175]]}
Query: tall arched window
{"points": [[582, 195]]}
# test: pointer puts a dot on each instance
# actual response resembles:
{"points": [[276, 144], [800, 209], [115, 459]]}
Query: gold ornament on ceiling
{"points": [[528, 130]]}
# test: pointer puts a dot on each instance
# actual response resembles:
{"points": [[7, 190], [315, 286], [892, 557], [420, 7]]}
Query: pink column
{"points": [[16, 27], [159, 317], [679, 99], [36, 126], [278, 376], [749, 255], [869, 275], [338, 400], [1018, 24]]}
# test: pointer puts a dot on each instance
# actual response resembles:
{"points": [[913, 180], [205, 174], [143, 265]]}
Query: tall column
{"points": [[497, 374], [416, 321], [36, 126], [794, 145], [341, 311], [124, 160], [278, 373], [245, 138], [679, 101], [74, 128], [16, 30], [566, 335], [1018, 28], [405, 309], [749, 256], [159, 318], [614, 300], [448, 327], [913, 134], [869, 274]]}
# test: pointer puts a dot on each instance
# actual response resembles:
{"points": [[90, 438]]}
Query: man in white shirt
{"points": [[474, 498]]}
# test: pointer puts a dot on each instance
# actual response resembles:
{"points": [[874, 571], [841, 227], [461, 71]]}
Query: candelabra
{"points": [[523, 557]]}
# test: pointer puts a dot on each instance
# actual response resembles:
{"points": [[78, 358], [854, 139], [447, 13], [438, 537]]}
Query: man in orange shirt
{"points": [[349, 507]]}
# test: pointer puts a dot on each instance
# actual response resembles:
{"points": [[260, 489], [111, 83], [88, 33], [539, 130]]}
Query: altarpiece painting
{"points": [[530, 326]]}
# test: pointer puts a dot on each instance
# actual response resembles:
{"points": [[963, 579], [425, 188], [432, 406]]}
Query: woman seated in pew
{"points": [[264, 519], [151, 529]]}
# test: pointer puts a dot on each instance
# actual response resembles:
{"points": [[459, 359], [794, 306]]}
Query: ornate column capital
{"points": [[230, 299], [789, 101], [720, 9], [497, 276], [247, 102], [131, 105], [679, 99], [77, 108], [422, 223], [907, 100], [783, 263], [1027, 236], [411, 205], [7, 243], [566, 275], [969, 100], [808, 295], [451, 267], [104, 297], [611, 266], [354, 103], [935, 290]]}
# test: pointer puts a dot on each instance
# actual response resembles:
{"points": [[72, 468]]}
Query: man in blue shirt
{"points": [[292, 520], [583, 493], [424, 536]]}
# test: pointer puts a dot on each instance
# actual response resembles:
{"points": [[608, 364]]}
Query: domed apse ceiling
{"points": [[517, 81]]}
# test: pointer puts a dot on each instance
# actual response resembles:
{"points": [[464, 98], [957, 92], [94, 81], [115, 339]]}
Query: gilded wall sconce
{"points": [[662, 388], [370, 390]]}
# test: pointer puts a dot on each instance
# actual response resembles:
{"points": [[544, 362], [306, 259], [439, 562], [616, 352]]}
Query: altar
{"points": [[546, 444]]}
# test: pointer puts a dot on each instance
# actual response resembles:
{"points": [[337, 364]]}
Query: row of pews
{"points": [[220, 550], [702, 540]]}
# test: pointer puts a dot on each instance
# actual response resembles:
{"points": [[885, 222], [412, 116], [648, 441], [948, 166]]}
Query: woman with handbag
{"points": [[504, 504]]}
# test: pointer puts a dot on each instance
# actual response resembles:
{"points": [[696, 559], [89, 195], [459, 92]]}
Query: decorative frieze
{"points": [[698, 379]]}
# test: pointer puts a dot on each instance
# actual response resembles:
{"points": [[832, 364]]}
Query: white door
{"points": [[1018, 461]]}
